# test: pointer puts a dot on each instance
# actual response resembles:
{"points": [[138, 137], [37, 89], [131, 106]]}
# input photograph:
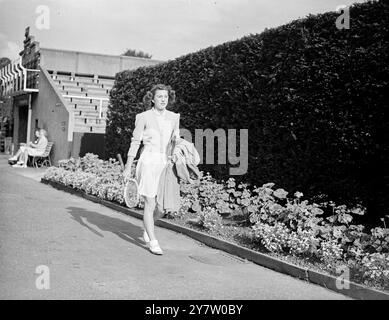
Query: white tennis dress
{"points": [[151, 162]]}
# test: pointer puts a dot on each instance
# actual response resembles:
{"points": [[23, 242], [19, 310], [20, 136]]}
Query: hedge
{"points": [[311, 96]]}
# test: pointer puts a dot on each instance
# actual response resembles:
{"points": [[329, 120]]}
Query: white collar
{"points": [[163, 114]]}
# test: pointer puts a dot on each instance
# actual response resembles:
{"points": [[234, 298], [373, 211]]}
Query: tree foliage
{"points": [[4, 61], [135, 53]]}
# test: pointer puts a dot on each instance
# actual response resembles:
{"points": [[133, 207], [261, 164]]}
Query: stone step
{"points": [[89, 113], [83, 81], [85, 101], [108, 86], [82, 130], [61, 77], [78, 91], [73, 93], [97, 92], [106, 81], [92, 121], [67, 83], [88, 125], [89, 128], [92, 85], [83, 93], [87, 107]]}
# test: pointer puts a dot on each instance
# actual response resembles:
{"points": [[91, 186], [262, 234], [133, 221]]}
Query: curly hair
{"points": [[44, 132], [149, 96]]}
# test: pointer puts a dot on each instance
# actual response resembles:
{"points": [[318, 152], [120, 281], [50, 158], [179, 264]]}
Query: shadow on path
{"points": [[124, 230]]}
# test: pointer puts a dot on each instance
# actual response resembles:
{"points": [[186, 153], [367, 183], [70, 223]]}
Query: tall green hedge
{"points": [[312, 97]]}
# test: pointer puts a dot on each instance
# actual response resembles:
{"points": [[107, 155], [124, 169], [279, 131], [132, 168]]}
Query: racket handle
{"points": [[120, 160]]}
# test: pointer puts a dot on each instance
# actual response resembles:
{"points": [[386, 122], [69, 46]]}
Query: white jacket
{"points": [[187, 150]]}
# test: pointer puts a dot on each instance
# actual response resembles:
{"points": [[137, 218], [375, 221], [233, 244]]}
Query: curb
{"points": [[352, 289]]}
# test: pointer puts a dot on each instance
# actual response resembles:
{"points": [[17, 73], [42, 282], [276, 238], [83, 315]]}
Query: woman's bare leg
{"points": [[18, 153], [25, 157], [148, 218]]}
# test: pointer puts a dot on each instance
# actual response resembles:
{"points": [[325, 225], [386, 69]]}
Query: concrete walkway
{"points": [[93, 252]]}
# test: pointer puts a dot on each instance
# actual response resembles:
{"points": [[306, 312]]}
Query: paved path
{"points": [[93, 252]]}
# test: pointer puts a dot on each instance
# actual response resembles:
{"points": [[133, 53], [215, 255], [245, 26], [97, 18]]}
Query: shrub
{"points": [[330, 251], [302, 242], [274, 238], [380, 239], [90, 174], [311, 96], [375, 268], [210, 219]]}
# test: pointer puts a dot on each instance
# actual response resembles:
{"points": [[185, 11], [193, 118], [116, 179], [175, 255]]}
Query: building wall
{"points": [[49, 113], [90, 63], [84, 142]]}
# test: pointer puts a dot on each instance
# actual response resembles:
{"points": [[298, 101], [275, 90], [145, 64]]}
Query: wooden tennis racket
{"points": [[131, 194]]}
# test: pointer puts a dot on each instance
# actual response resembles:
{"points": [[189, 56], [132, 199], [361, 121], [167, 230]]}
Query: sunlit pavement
{"points": [[93, 252]]}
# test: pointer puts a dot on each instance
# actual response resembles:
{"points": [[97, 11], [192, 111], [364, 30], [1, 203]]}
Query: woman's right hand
{"points": [[127, 171]]}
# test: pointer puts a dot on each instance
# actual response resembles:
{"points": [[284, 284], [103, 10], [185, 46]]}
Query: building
{"points": [[64, 92]]}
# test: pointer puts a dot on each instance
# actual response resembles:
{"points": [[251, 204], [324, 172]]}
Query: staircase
{"points": [[87, 97]]}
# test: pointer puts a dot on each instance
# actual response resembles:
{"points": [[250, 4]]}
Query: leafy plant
{"points": [[210, 219], [287, 225]]}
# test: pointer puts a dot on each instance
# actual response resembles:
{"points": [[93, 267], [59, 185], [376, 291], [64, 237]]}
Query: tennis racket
{"points": [[131, 195]]}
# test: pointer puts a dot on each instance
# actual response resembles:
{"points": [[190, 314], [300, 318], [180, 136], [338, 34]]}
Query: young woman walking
{"points": [[155, 127]]}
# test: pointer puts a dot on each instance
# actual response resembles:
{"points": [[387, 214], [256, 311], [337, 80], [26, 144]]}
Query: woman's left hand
{"points": [[173, 158]]}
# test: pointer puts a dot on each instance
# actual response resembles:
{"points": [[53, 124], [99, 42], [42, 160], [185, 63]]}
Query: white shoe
{"points": [[13, 158], [18, 165], [155, 248], [146, 236]]}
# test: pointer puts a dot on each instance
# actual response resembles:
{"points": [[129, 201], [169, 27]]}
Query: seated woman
{"points": [[23, 145], [31, 149]]}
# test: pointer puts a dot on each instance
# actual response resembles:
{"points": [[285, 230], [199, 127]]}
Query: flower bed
{"points": [[318, 235]]}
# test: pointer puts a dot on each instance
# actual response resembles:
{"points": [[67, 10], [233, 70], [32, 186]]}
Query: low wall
{"points": [[49, 113], [90, 63], [84, 142]]}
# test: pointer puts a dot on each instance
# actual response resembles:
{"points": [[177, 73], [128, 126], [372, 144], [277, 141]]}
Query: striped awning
{"points": [[14, 76]]}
